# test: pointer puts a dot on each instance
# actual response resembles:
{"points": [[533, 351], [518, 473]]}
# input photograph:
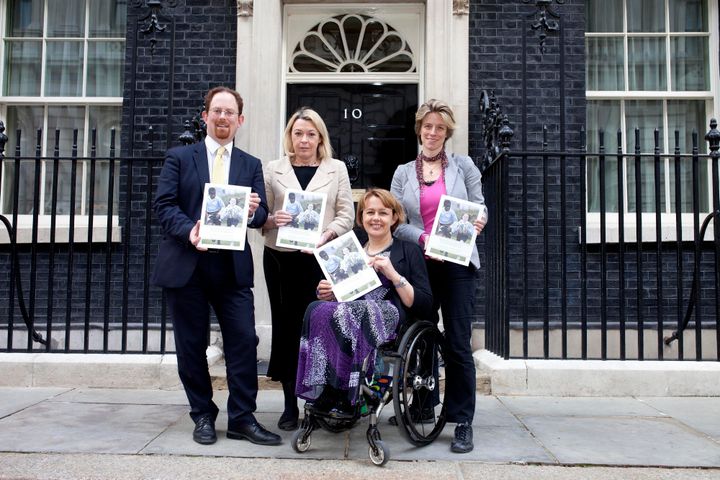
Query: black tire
{"points": [[380, 454], [418, 389], [301, 440]]}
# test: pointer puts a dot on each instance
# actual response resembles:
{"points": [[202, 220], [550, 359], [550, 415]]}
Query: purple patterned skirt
{"points": [[337, 338]]}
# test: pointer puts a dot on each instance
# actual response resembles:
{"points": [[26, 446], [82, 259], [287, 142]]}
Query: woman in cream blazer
{"points": [[291, 275]]}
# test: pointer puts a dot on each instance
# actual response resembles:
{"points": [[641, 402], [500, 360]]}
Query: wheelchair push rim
{"points": [[419, 389]]}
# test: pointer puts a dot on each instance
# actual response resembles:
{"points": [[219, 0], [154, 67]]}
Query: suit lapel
{"points": [[236, 164], [451, 174], [323, 176], [285, 175], [413, 182], [201, 163]]}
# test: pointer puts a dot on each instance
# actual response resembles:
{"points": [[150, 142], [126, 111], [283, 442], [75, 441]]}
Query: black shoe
{"points": [[463, 440], [204, 432], [288, 421], [255, 433]]}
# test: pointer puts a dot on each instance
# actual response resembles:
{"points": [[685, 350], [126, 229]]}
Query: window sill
{"points": [[648, 230], [62, 230]]}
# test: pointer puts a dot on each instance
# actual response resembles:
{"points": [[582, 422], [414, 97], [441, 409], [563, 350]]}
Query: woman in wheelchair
{"points": [[338, 337]]}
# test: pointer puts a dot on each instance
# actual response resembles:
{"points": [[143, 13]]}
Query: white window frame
{"points": [[712, 107], [81, 220]]}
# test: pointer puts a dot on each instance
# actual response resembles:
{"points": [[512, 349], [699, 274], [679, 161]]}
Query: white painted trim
{"points": [[599, 378], [62, 229], [649, 231]]}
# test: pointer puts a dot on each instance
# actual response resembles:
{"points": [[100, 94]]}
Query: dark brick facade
{"points": [[535, 89], [167, 73]]}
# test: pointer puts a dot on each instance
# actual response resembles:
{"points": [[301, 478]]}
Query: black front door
{"points": [[371, 126]]}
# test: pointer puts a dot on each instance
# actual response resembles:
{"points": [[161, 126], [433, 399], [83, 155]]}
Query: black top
{"points": [[304, 175], [409, 261]]}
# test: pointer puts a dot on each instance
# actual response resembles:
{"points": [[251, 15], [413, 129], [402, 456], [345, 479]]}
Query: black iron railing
{"points": [[71, 286], [629, 275]]}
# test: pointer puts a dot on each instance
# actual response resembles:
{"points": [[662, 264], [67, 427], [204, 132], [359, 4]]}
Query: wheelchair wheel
{"points": [[301, 440], [379, 453], [418, 390]]}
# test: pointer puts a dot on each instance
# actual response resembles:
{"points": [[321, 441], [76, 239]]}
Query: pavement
{"points": [[101, 433]]}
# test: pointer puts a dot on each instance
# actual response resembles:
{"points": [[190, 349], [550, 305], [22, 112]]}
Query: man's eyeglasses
{"points": [[219, 111]]}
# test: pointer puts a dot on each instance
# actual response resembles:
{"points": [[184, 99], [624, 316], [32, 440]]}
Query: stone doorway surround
{"points": [[261, 80]]}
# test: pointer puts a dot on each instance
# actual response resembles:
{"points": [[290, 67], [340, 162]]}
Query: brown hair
{"points": [[387, 199], [309, 115], [214, 91], [439, 107]]}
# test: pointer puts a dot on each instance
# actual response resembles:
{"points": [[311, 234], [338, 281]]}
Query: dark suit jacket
{"points": [[178, 203], [409, 261]]}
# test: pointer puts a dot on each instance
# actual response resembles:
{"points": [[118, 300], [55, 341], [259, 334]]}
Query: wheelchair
{"points": [[412, 380]]}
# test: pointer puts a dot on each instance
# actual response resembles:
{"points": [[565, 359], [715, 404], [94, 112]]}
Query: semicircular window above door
{"points": [[352, 43]]}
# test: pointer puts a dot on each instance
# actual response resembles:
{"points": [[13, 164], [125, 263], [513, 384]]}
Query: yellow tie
{"points": [[218, 172]]}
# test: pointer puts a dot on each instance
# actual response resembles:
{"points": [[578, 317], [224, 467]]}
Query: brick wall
{"points": [[168, 73]]}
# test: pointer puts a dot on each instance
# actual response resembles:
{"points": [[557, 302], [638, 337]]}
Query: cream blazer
{"points": [[330, 178]]}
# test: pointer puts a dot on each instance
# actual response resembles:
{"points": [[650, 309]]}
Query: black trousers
{"points": [[453, 287], [291, 279], [213, 284]]}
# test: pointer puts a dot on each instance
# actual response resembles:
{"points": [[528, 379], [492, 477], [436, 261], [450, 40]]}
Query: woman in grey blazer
{"points": [[419, 185], [292, 275]]}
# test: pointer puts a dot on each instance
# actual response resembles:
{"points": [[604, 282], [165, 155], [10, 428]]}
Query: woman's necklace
{"points": [[431, 168], [385, 248], [314, 162]]}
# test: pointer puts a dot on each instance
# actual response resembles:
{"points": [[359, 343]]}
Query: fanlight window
{"points": [[352, 43]]}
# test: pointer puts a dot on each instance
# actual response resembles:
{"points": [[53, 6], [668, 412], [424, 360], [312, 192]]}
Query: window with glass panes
{"points": [[62, 69], [648, 67]]}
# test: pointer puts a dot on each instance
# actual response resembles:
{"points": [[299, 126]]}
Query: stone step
{"points": [[219, 380]]}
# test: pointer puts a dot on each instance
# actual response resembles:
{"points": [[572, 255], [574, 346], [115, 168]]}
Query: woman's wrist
{"points": [[269, 223]]}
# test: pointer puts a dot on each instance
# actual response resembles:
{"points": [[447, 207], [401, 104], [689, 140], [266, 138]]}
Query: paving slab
{"points": [[122, 396], [90, 428], [579, 406], [493, 412], [14, 399], [700, 413], [492, 444], [623, 441], [177, 440]]}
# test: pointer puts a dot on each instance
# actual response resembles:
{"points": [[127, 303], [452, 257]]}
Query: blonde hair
{"points": [[439, 107], [387, 199], [309, 115]]}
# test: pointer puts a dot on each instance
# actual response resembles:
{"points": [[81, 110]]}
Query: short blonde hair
{"points": [[439, 107], [387, 199], [309, 115]]}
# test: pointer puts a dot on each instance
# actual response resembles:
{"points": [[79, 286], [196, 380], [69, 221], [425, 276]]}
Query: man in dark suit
{"points": [[195, 278]]}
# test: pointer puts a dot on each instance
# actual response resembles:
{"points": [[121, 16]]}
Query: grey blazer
{"points": [[331, 178], [462, 180]]}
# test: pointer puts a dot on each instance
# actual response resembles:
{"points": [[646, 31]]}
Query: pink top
{"points": [[429, 201]]}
